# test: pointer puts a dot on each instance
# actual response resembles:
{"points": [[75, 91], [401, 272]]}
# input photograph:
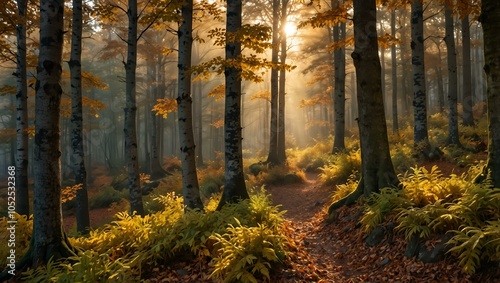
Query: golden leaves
{"points": [[218, 92], [164, 106]]}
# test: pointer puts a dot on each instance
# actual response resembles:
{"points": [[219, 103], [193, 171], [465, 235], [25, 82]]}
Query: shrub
{"points": [[340, 167]]}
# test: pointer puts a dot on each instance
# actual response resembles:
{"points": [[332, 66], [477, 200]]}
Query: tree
{"points": [[234, 186], [420, 133], [22, 192], [377, 170], [339, 90], [449, 39], [394, 67], [490, 20], [190, 186], [281, 153], [75, 66], [49, 241], [467, 102]]}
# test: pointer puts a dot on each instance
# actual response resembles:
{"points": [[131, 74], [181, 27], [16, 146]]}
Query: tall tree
{"points": [[339, 89], [467, 100], [234, 186], [272, 157], [49, 240], [377, 170], [490, 20], [75, 66], [281, 153], [394, 67], [419, 90], [449, 39], [22, 191], [130, 128], [190, 186]]}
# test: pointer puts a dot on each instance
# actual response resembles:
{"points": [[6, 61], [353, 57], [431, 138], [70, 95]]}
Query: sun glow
{"points": [[290, 29]]}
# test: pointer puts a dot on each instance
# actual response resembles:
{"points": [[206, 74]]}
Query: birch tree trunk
{"points": [[339, 88], [281, 154], [190, 186], [22, 191], [419, 90], [377, 170], [49, 240], [77, 157], [449, 39], [234, 186], [130, 129], [490, 20], [467, 100], [272, 157], [394, 67]]}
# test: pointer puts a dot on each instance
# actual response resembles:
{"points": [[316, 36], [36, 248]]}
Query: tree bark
{"points": [[234, 186], [419, 89], [467, 99], [453, 136], [78, 156], [339, 89], [272, 157], [490, 20], [377, 170], [190, 186], [130, 129], [22, 191]]}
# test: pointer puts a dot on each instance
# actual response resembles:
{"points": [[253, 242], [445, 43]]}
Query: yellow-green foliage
{"points": [[282, 174], [420, 221], [313, 157], [246, 253], [345, 189], [340, 167], [121, 250], [379, 205], [24, 229]]}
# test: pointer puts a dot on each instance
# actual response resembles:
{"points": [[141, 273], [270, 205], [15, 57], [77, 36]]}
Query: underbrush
{"points": [[430, 205], [244, 242]]}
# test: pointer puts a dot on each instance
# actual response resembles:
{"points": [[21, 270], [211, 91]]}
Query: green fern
{"points": [[381, 204]]}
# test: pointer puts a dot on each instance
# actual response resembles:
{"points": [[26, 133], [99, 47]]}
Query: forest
{"points": [[249, 141]]}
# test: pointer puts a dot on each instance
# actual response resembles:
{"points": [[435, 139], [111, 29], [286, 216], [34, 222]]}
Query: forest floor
{"points": [[332, 252]]}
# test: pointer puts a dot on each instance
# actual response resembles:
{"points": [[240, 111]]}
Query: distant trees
{"points": [[377, 170]]}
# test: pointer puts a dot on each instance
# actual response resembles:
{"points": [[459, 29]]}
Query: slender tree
{"points": [[419, 90], [190, 186], [490, 20], [339, 89], [377, 170], [272, 157], [234, 186], [22, 191], [281, 153], [130, 128], [449, 39], [78, 160], [467, 101], [394, 66]]}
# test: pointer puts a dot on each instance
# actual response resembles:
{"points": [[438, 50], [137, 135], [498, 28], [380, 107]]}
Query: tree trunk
{"points": [[419, 90], [130, 129], [394, 66], [272, 157], [281, 154], [199, 123], [467, 99], [453, 137], [490, 20], [22, 191], [190, 186], [377, 170], [339, 91], [234, 186], [49, 240], [78, 156]]}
